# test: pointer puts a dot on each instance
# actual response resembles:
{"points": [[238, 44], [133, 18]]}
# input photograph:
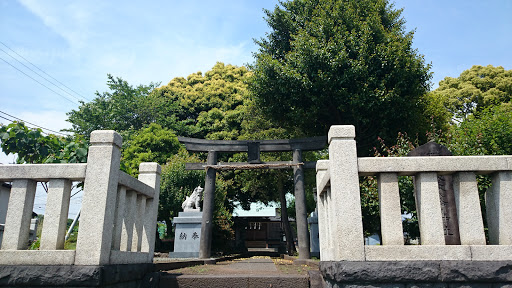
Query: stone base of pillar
{"points": [[187, 235]]}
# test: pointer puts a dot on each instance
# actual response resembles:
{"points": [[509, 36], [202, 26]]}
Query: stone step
{"points": [[235, 281]]}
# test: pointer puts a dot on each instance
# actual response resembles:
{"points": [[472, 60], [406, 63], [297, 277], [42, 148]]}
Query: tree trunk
{"points": [[290, 246]]}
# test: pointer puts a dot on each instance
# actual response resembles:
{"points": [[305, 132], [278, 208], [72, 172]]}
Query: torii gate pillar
{"points": [[205, 244], [300, 206]]}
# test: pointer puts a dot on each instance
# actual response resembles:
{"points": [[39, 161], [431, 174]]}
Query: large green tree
{"points": [[120, 109], [207, 106], [340, 62], [474, 90]]}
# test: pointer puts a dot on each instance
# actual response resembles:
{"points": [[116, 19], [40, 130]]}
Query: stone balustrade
{"points": [[118, 214], [339, 205]]}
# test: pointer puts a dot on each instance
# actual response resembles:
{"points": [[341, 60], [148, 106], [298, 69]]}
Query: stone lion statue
{"points": [[191, 203]]}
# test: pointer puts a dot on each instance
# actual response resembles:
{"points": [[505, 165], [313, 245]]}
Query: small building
{"points": [[259, 229]]}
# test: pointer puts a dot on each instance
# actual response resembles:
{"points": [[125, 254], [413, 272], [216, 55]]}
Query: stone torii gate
{"points": [[253, 148]]}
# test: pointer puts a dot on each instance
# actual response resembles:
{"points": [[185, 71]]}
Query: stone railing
{"points": [[118, 214], [339, 205]]}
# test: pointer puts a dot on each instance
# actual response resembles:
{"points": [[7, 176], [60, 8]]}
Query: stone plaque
{"points": [[446, 196], [187, 235]]}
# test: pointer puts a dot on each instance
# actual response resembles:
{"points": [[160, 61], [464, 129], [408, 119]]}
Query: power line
{"points": [[41, 75], [39, 82], [30, 123], [43, 72], [5, 118]]}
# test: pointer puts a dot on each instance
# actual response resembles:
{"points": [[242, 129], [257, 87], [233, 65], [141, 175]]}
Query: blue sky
{"points": [[79, 42]]}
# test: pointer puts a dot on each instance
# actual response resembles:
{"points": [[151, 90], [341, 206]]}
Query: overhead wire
{"points": [[5, 118], [38, 126], [39, 82], [44, 73]]}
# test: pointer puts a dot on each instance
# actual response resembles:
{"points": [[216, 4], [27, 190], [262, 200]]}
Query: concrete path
{"points": [[253, 264], [252, 272]]}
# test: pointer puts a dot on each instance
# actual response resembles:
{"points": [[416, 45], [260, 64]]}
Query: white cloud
{"points": [[71, 20]]}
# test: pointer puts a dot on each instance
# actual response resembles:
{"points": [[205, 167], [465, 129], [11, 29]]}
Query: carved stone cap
{"points": [[322, 165], [150, 167], [99, 137], [346, 132]]}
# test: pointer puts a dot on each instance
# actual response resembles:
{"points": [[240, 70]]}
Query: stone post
{"points": [[347, 223], [301, 216], [99, 200], [120, 218], [428, 205], [19, 213], [390, 212], [498, 200], [56, 215], [139, 223], [208, 206], [323, 221], [129, 220], [149, 173], [471, 225], [5, 191]]}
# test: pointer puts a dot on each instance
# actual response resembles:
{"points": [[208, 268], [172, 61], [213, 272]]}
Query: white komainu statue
{"points": [[191, 203]]}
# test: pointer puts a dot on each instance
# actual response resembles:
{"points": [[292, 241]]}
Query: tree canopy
{"points": [[32, 146], [475, 90], [120, 109], [209, 106], [340, 62]]}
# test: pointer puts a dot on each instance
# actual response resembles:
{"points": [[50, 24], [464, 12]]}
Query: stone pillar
{"points": [[301, 216], [99, 200], [56, 215], [5, 191], [428, 205], [498, 200], [149, 174], [140, 212], [471, 225], [205, 245], [347, 223], [323, 221], [390, 212], [129, 221], [120, 223], [19, 213]]}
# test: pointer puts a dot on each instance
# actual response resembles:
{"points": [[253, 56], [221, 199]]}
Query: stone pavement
{"points": [[245, 272], [265, 265]]}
